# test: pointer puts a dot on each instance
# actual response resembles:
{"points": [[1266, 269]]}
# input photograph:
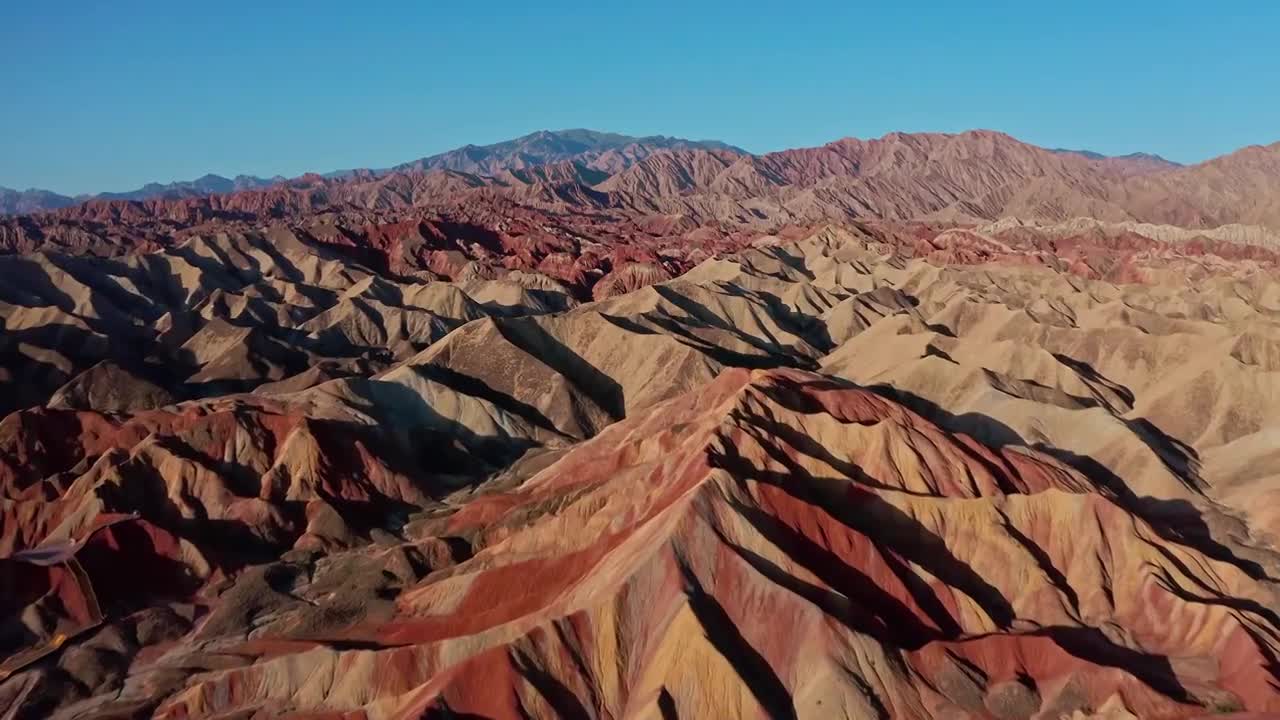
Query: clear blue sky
{"points": [[109, 95]]}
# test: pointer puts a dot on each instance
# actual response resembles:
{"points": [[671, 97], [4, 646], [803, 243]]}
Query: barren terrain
{"points": [[926, 426]]}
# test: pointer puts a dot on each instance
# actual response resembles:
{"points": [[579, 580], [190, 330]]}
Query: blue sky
{"points": [[109, 95]]}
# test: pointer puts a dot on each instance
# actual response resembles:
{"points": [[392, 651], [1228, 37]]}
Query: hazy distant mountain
{"points": [[17, 202], [600, 151], [607, 152], [1085, 153], [1137, 163], [989, 175], [206, 185]]}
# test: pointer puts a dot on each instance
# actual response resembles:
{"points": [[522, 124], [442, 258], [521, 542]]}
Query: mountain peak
{"points": [[591, 148], [1093, 155]]}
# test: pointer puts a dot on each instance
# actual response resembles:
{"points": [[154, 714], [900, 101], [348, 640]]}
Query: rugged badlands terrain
{"points": [[487, 441]]}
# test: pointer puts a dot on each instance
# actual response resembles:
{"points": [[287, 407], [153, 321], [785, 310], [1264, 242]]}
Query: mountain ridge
{"points": [[35, 199], [602, 151], [504, 152]]}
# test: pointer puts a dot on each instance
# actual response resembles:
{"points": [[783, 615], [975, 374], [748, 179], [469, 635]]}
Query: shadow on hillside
{"points": [[530, 337], [28, 284], [809, 327], [33, 379], [468, 385], [883, 523], [1177, 520], [463, 234], [683, 330], [563, 701], [723, 633], [768, 304], [918, 616], [428, 443]]}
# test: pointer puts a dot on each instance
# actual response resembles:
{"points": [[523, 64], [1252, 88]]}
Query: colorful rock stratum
{"points": [[925, 427]]}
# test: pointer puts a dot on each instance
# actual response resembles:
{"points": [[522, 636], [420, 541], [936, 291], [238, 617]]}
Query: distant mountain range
{"points": [[35, 200], [1134, 163], [606, 152], [207, 185], [963, 178], [1131, 156], [18, 202], [593, 155], [664, 184], [609, 152]]}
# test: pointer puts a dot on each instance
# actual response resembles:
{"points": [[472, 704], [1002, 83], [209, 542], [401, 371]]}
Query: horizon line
{"points": [[282, 177]]}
